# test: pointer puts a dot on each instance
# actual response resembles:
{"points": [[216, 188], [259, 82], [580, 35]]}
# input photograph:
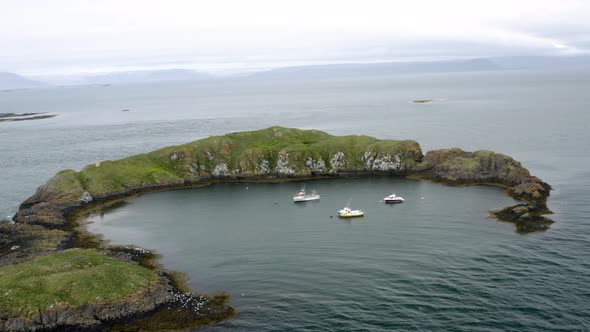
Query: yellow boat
{"points": [[349, 213]]}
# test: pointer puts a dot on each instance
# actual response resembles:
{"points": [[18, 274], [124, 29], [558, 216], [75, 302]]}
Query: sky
{"points": [[40, 37]]}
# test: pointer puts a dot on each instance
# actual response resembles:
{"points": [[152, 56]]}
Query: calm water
{"points": [[432, 264]]}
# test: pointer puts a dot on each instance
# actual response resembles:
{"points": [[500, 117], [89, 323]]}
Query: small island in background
{"points": [[44, 245], [7, 117]]}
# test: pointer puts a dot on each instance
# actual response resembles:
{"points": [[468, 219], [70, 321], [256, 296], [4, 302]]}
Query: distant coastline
{"points": [[11, 81]]}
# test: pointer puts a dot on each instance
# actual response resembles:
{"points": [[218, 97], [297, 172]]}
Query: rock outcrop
{"points": [[454, 166]]}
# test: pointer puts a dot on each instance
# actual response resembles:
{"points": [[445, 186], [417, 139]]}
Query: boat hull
{"points": [[356, 215], [393, 201], [306, 199]]}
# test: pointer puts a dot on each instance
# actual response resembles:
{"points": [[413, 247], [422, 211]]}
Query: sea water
{"points": [[432, 264]]}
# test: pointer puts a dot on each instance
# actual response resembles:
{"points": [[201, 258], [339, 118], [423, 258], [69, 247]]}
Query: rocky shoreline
{"points": [[457, 167], [45, 222], [167, 297]]}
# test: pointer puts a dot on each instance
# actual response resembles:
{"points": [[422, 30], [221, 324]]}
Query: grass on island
{"points": [[242, 152], [71, 277], [467, 164], [246, 149]]}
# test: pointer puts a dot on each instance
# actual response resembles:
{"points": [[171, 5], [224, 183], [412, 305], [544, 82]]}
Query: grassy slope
{"points": [[238, 150], [242, 152], [71, 277]]}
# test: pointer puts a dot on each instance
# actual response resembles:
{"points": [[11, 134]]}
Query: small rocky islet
{"points": [[44, 236], [11, 117]]}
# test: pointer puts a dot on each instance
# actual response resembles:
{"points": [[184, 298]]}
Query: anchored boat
{"points": [[393, 199], [350, 213], [301, 196]]}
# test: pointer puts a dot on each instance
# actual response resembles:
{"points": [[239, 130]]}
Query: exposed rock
{"points": [[221, 170], [337, 162], [283, 168], [455, 166], [173, 156], [387, 163], [194, 168], [263, 167], [86, 197], [316, 166], [382, 163]]}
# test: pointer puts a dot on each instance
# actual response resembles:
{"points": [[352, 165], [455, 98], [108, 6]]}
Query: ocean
{"points": [[428, 264]]}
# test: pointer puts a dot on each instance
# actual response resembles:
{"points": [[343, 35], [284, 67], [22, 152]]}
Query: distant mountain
{"points": [[14, 81], [375, 69], [141, 76], [543, 62]]}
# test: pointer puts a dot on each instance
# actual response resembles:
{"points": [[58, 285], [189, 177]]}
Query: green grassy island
{"points": [[71, 277], [47, 284]]}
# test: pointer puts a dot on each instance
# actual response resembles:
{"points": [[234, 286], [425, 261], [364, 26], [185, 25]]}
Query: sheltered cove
{"points": [[45, 223]]}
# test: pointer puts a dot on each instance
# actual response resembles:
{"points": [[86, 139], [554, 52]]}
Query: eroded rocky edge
{"points": [[44, 222]]}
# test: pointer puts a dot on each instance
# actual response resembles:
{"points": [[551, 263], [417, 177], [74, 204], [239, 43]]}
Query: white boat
{"points": [[350, 213], [301, 196], [393, 199]]}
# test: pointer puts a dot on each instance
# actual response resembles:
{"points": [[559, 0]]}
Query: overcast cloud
{"points": [[71, 36]]}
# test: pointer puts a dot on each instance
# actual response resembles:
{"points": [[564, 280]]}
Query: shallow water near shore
{"points": [[479, 275], [298, 266]]}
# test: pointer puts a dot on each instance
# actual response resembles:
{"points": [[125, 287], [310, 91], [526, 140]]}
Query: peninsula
{"points": [[72, 274]]}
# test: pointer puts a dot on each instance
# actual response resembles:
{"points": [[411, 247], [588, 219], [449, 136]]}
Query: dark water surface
{"points": [[428, 263], [432, 264]]}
